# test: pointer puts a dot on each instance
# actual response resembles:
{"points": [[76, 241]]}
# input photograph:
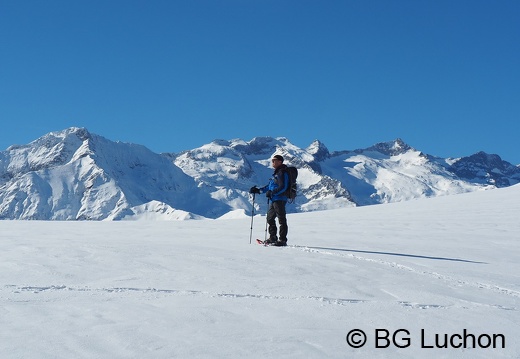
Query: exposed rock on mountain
{"points": [[76, 175]]}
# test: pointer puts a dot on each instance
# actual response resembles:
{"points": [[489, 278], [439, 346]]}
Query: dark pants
{"points": [[277, 210]]}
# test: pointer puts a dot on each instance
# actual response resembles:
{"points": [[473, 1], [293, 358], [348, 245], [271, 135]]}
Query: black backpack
{"points": [[291, 188]]}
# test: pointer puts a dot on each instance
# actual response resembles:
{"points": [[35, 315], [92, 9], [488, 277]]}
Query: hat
{"points": [[278, 157]]}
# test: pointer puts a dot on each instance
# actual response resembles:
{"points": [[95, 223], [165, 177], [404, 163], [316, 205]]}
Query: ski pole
{"points": [[252, 216], [265, 236]]}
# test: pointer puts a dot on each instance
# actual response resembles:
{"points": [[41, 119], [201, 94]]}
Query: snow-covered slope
{"points": [[378, 175], [76, 175], [429, 270], [230, 168], [383, 173]]}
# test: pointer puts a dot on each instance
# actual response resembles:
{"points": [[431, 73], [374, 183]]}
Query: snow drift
{"points": [[426, 270]]}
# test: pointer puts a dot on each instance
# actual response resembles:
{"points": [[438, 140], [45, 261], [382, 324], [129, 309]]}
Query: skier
{"points": [[275, 190]]}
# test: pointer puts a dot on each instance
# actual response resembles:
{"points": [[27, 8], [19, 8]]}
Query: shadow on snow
{"points": [[393, 254]]}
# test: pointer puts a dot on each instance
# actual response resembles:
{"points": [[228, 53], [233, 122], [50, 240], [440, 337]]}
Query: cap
{"points": [[278, 157]]}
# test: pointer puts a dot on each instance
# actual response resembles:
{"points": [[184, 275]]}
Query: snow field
{"points": [[198, 289]]}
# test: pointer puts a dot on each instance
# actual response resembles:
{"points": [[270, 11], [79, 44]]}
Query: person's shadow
{"points": [[393, 254]]}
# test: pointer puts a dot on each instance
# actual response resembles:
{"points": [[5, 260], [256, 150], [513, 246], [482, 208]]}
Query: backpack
{"points": [[292, 187]]}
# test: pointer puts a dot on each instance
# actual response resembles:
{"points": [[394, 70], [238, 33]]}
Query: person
{"points": [[275, 190]]}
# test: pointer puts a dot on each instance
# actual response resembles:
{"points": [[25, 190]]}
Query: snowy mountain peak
{"points": [[487, 168], [67, 138], [318, 150], [262, 145], [80, 132], [74, 175], [52, 149], [392, 148]]}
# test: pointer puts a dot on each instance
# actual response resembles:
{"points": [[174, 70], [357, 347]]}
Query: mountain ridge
{"points": [[74, 174]]}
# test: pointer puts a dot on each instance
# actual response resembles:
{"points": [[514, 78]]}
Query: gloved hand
{"points": [[254, 189], [269, 194]]}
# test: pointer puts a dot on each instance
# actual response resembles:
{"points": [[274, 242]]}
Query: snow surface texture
{"points": [[76, 175], [198, 289]]}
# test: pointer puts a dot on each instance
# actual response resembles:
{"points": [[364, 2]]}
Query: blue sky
{"points": [[173, 75]]}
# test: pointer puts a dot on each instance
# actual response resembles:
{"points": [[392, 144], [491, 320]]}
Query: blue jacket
{"points": [[278, 184]]}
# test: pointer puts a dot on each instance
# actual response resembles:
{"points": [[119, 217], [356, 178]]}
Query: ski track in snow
{"points": [[57, 288], [448, 279], [15, 289]]}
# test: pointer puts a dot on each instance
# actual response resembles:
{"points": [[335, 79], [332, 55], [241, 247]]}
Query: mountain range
{"points": [[77, 175]]}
